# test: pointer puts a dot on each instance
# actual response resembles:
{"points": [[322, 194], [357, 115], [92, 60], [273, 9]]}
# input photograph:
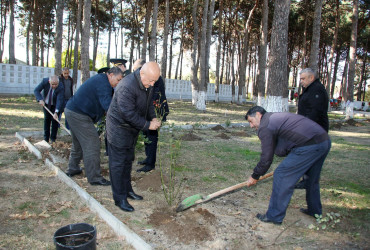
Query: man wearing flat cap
{"points": [[120, 63]]}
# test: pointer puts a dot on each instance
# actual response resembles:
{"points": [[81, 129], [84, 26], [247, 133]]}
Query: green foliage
{"points": [[228, 123], [172, 186], [329, 221]]}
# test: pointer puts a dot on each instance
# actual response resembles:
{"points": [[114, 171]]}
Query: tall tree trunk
{"points": [[315, 41], [244, 51], [352, 59], [34, 33], [3, 20], [359, 88], [110, 30], [165, 38], [194, 53], [85, 59], [334, 79], [171, 52], [208, 39], [202, 90], [59, 37], [30, 18], [153, 33], [146, 27], [262, 52], [42, 42], [333, 47], [11, 33], [218, 58], [77, 41], [277, 89], [304, 63], [343, 85]]}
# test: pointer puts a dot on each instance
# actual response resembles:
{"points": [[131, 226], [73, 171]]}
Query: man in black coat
{"points": [[130, 112], [313, 103], [67, 82], [52, 98], [159, 97]]}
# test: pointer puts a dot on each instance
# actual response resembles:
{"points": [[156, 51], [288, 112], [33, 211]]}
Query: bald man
{"points": [[159, 95], [53, 99], [130, 112]]}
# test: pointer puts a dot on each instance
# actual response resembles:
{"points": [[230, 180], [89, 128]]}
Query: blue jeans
{"points": [[301, 160]]}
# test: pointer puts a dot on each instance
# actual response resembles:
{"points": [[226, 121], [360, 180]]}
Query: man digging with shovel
{"points": [[305, 145]]}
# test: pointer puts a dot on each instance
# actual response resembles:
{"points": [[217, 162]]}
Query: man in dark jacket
{"points": [[130, 112], [52, 98], [159, 98], [313, 103], [85, 108], [305, 145], [67, 82]]}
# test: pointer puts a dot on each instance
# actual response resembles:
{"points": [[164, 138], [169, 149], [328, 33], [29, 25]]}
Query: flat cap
{"points": [[118, 62]]}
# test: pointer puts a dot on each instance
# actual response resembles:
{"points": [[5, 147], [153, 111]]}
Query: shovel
{"points": [[58, 121], [199, 198]]}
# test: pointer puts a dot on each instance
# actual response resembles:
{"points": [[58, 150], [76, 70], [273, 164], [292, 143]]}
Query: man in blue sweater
{"points": [[83, 110], [305, 145]]}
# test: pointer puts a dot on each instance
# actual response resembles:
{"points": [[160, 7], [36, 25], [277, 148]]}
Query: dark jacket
{"points": [[58, 95], [159, 96], [280, 132], [131, 110], [92, 98], [61, 80], [313, 103]]}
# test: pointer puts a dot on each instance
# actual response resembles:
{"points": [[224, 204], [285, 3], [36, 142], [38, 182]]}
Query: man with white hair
{"points": [[53, 99]]}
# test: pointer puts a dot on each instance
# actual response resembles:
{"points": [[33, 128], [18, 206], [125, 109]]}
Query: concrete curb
{"points": [[118, 227]]}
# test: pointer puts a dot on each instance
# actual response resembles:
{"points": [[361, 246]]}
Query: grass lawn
{"points": [[212, 163]]}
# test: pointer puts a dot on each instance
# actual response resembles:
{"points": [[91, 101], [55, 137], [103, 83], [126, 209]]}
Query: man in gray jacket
{"points": [[305, 145], [130, 112]]}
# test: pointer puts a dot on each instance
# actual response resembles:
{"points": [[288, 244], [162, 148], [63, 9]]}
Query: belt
{"points": [[314, 140]]}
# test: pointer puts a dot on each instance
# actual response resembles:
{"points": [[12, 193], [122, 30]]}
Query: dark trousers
{"points": [[48, 119], [85, 145], [151, 147], [120, 165], [301, 160], [61, 112]]}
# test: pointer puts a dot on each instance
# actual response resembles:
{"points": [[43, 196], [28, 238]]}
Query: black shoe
{"points": [[73, 173], [263, 217], [143, 162], [146, 168], [124, 205], [102, 182], [305, 211], [134, 196], [300, 185]]}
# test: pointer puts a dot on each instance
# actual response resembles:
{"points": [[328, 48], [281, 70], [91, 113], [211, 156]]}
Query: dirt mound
{"points": [[149, 181], [218, 128], [352, 122], [223, 136], [192, 225], [240, 134], [190, 137]]}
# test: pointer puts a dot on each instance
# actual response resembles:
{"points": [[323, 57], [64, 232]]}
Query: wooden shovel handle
{"points": [[237, 186], [57, 121]]}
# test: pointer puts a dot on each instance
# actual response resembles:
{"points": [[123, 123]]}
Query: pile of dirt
{"points": [[149, 181], [240, 134], [191, 225], [61, 148], [218, 128], [223, 136], [190, 137]]}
